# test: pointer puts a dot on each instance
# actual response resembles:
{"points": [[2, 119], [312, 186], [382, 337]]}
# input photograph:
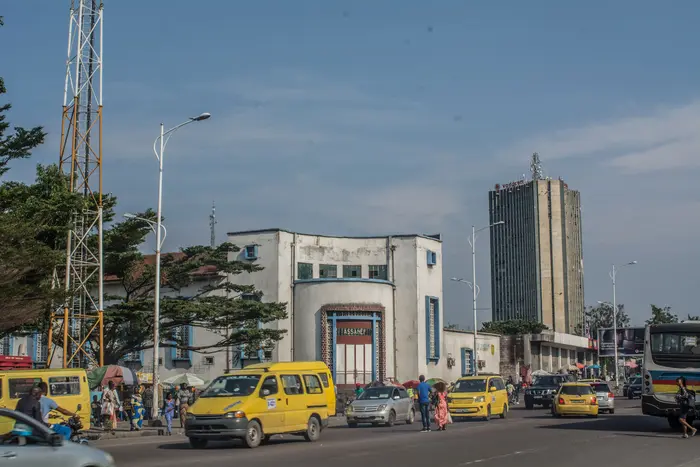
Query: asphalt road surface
{"points": [[525, 438]]}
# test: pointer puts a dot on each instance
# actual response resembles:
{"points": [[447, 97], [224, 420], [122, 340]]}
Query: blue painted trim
{"points": [[467, 356], [343, 279], [12, 345], [252, 255], [141, 356], [431, 258], [334, 347], [190, 340], [436, 329], [357, 317], [32, 344]]}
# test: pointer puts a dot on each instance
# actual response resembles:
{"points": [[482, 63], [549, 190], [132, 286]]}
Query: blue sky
{"points": [[373, 117]]}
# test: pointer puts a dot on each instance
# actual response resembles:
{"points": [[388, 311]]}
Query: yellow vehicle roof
{"points": [[482, 376], [578, 383], [282, 366]]}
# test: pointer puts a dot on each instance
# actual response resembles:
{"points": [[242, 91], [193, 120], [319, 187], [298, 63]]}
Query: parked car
{"points": [[543, 390], [381, 405], [29, 443], [635, 388]]}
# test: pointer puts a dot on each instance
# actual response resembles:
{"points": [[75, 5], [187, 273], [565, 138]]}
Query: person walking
{"points": [[423, 390], [184, 397], [110, 407], [442, 414], [686, 400], [169, 411], [137, 410], [148, 402]]}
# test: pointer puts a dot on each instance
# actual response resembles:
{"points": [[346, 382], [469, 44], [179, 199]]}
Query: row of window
{"points": [[330, 271], [58, 386], [39, 350]]}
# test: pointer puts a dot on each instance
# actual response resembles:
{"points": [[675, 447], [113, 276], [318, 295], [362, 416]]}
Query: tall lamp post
{"points": [[475, 288], [613, 277], [163, 139]]}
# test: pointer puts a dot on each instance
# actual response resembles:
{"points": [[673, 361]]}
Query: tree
{"points": [[661, 315], [513, 327], [601, 316], [32, 219], [213, 301], [693, 318]]}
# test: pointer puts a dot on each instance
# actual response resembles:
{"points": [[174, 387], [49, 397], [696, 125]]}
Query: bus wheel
{"points": [[674, 423]]}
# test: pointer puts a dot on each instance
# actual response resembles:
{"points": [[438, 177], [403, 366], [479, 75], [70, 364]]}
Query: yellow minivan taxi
{"points": [[67, 387], [575, 399], [480, 396], [263, 400]]}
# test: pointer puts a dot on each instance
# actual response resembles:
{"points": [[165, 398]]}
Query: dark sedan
{"points": [[635, 388]]}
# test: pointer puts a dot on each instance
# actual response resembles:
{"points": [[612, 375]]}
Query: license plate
{"points": [[538, 397], [577, 402], [462, 410]]}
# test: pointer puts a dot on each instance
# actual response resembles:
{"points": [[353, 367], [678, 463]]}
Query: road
{"points": [[525, 438]]}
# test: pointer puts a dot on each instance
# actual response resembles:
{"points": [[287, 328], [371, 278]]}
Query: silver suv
{"points": [[381, 405]]}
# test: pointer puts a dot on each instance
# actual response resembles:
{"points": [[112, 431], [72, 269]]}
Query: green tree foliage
{"points": [[661, 315], [33, 217], [601, 316], [513, 327]]}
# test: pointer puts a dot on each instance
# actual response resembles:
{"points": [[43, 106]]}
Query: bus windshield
{"points": [[676, 349]]}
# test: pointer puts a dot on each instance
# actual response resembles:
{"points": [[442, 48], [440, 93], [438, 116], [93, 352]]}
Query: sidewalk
{"points": [[124, 430]]}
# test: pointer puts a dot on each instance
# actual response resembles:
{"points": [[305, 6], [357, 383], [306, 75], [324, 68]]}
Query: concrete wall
{"points": [[488, 350]]}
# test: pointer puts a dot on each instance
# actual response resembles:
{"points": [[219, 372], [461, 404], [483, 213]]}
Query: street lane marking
{"points": [[502, 456]]}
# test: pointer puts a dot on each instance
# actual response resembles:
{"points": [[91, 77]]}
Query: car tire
{"points": [[392, 419], [313, 430], [198, 443], [505, 411], [612, 411], [630, 395], [488, 413], [411, 417], [253, 435]]}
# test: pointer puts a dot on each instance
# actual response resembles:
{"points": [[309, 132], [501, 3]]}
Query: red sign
{"points": [[10, 362]]}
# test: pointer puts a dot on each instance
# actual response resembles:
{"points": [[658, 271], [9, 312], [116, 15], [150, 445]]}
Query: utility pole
{"points": [[212, 225]]}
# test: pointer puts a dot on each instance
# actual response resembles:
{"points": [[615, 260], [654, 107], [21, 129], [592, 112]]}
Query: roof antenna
{"points": [[212, 225], [536, 167]]}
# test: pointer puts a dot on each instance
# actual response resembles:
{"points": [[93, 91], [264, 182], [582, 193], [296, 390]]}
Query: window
{"points": [[250, 252], [232, 386], [352, 271], [498, 384], [403, 393], [470, 385], [270, 384], [305, 271], [467, 361], [313, 385], [576, 390], [133, 357], [377, 271], [21, 386], [40, 349], [395, 394], [324, 379], [64, 386], [6, 345], [250, 296], [292, 385], [432, 328], [182, 337], [432, 258], [328, 271]]}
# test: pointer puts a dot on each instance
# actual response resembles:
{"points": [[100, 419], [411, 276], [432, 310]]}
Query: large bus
{"points": [[670, 351]]}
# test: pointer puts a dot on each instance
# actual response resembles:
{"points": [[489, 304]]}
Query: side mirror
{"points": [[492, 389], [55, 440], [264, 392]]}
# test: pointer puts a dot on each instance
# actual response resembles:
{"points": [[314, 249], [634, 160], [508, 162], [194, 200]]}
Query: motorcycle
{"points": [[76, 427]]}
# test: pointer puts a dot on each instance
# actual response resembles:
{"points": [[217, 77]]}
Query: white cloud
{"points": [[665, 139]]}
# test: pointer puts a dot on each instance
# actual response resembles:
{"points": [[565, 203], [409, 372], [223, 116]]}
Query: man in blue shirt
{"points": [[423, 389], [47, 405]]}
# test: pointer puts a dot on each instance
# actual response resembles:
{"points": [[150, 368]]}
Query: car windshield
{"points": [[470, 385], [636, 381], [601, 387], [549, 380], [376, 394], [576, 390], [232, 386]]}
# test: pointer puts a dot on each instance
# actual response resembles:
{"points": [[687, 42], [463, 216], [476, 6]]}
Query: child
{"points": [[96, 412]]}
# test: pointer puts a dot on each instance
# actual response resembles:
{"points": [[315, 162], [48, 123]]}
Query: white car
{"points": [[28, 443]]}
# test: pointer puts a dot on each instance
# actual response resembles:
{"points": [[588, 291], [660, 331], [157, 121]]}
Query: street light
{"points": [[475, 288], [164, 137], [613, 277]]}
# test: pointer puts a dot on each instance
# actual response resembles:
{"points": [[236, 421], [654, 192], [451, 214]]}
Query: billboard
{"points": [[629, 341]]}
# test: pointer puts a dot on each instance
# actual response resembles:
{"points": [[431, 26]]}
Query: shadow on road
{"points": [[619, 423]]}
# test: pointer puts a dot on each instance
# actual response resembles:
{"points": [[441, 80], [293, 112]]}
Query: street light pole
{"points": [[475, 288], [613, 277], [156, 299]]}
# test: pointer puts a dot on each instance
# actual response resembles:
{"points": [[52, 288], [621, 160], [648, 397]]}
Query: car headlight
{"points": [[236, 414], [348, 409], [189, 417], [480, 399], [381, 408]]}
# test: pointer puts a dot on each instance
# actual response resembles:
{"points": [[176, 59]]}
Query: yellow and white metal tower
{"points": [[80, 319]]}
